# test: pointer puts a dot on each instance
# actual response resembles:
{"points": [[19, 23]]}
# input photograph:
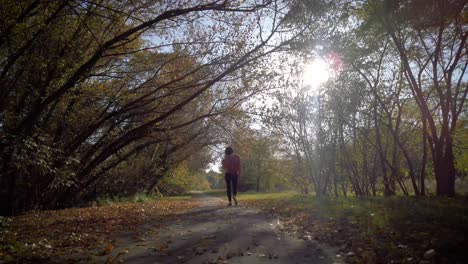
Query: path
{"points": [[215, 233]]}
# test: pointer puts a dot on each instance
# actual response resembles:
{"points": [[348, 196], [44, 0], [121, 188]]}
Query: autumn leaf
{"points": [[82, 231], [108, 249]]}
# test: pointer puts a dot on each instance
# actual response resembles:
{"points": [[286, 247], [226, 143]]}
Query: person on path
{"points": [[232, 168]]}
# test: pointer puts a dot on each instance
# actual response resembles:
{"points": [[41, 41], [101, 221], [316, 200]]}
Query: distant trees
{"points": [[263, 169]]}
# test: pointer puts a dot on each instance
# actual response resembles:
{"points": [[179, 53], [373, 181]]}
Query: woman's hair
{"points": [[228, 151]]}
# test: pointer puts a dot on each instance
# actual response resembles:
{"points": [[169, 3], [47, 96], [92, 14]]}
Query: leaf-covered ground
{"points": [[377, 229], [70, 234], [200, 230], [215, 233], [419, 230]]}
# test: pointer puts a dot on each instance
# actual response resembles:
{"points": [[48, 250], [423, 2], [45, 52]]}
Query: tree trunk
{"points": [[444, 168], [422, 187], [387, 190]]}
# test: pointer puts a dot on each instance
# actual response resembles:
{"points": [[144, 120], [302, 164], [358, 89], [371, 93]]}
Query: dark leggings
{"points": [[231, 183]]}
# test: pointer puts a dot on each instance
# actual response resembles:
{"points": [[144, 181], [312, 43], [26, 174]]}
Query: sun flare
{"points": [[315, 73]]}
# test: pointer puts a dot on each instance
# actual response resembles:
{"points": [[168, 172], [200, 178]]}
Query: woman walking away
{"points": [[232, 169]]}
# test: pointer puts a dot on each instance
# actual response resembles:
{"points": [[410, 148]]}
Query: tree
{"points": [[88, 85], [441, 40], [406, 54]]}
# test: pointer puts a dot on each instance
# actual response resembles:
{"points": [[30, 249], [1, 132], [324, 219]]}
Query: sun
{"points": [[315, 73]]}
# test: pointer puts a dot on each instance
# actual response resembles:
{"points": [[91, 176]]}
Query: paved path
{"points": [[215, 233]]}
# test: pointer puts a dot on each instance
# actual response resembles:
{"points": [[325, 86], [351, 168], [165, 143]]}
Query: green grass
{"points": [[137, 198], [250, 196], [381, 223], [446, 211], [213, 193]]}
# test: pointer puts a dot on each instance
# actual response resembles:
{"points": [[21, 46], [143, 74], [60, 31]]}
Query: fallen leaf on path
{"points": [[107, 250], [56, 235], [139, 238], [161, 247]]}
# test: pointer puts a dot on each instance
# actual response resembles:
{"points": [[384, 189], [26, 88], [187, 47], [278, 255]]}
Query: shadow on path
{"points": [[215, 233]]}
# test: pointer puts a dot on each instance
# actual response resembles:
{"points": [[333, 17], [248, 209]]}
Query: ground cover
{"points": [[376, 229], [67, 235], [361, 229]]}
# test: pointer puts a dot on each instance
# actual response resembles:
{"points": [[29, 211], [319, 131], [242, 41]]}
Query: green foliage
{"points": [[261, 169], [216, 180], [461, 149], [199, 181], [182, 179], [137, 198], [176, 181]]}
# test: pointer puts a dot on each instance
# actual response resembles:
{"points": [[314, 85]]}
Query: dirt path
{"points": [[215, 233]]}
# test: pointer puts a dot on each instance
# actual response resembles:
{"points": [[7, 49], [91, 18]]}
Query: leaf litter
{"points": [[72, 234]]}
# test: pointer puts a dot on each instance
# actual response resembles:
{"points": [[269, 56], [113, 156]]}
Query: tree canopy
{"points": [[118, 97]]}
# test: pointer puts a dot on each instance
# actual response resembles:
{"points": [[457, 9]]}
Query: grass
{"points": [[249, 195], [377, 229], [137, 198], [213, 193], [254, 196]]}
